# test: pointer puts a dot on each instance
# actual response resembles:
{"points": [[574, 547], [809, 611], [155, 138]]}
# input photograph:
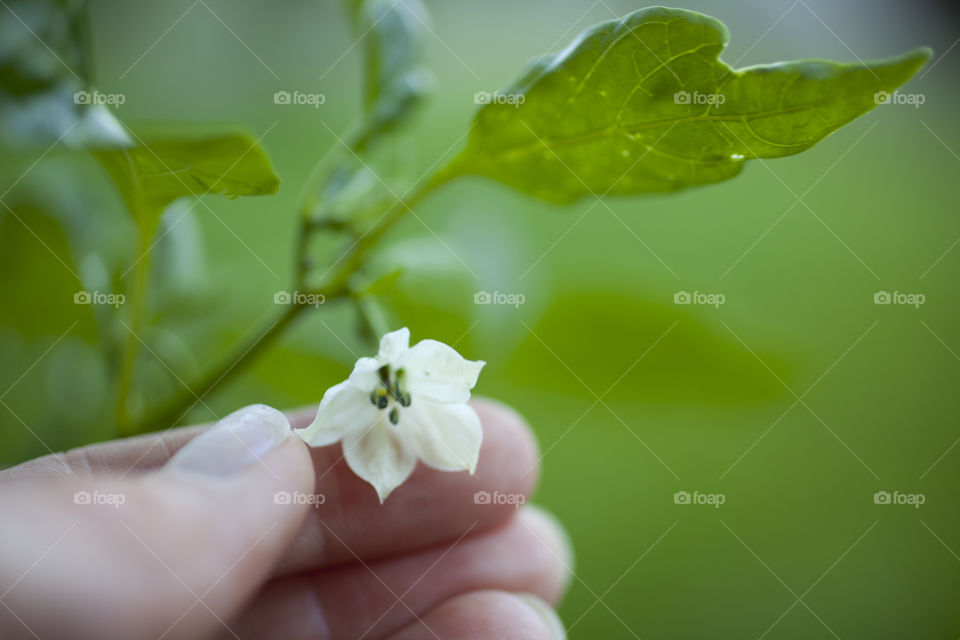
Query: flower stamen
{"points": [[390, 389]]}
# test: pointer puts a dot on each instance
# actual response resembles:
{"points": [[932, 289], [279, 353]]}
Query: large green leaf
{"points": [[643, 104], [156, 172]]}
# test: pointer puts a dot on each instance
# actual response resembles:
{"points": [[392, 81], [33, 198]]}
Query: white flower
{"points": [[406, 404]]}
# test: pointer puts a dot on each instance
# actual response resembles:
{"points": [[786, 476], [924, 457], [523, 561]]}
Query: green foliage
{"points": [[643, 104], [153, 174], [395, 78], [41, 250], [45, 78], [637, 105], [692, 363], [358, 180]]}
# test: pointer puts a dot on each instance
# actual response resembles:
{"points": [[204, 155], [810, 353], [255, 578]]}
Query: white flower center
{"points": [[390, 395]]}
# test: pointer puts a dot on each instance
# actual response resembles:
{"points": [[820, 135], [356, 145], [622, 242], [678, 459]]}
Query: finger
{"points": [[431, 507], [530, 554], [136, 454], [487, 615], [171, 553]]}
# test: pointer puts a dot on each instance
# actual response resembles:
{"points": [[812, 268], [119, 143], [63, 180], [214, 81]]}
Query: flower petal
{"points": [[434, 370], [344, 409], [446, 436], [379, 456], [393, 345], [364, 375]]}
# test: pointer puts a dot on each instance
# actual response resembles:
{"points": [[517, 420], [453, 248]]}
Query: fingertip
{"points": [[551, 533], [487, 615], [509, 437], [547, 615]]}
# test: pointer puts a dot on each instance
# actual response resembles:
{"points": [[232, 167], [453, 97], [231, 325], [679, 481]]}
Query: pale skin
{"points": [[189, 557]]}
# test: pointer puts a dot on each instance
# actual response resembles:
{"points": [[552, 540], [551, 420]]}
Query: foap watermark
{"points": [[712, 499], [912, 499], [300, 98], [485, 497], [685, 97], [698, 297], [898, 297], [910, 99], [300, 298], [498, 297], [99, 297], [485, 97], [97, 97], [99, 498], [298, 497]]}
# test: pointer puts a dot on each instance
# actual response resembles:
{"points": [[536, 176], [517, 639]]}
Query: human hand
{"points": [[150, 537]]}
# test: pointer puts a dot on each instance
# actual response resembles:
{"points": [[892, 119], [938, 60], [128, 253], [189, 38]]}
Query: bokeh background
{"points": [[797, 399]]}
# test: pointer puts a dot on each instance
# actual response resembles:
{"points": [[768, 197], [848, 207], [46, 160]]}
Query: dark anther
{"points": [[394, 416], [384, 373]]}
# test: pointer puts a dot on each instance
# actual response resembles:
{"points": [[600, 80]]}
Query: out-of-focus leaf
{"points": [[358, 183], [378, 284], [355, 192], [38, 278], [44, 78], [643, 104], [395, 78], [155, 173], [601, 337]]}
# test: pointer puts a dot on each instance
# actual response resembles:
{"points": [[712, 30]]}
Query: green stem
{"points": [[137, 303], [373, 319], [335, 287], [175, 410]]}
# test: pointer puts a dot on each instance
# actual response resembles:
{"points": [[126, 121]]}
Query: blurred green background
{"points": [[633, 397]]}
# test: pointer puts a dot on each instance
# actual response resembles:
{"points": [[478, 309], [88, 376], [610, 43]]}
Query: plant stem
{"points": [[335, 287], [137, 299], [174, 411]]}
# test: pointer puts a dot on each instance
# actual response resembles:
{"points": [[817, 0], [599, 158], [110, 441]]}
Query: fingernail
{"points": [[547, 614], [234, 443]]}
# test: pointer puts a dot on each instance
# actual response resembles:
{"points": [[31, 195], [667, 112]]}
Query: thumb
{"points": [[175, 553]]}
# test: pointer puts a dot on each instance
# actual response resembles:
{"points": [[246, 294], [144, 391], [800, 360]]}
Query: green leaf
{"points": [[644, 105], [35, 255], [395, 78], [155, 173]]}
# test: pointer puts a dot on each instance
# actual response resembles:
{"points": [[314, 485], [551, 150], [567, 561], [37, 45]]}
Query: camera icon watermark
{"points": [[299, 98], [712, 499], [97, 97], [698, 297], [299, 298], [912, 499], [485, 97], [497, 297], [899, 298], [98, 297], [298, 497], [910, 99], [485, 497], [685, 97], [97, 498]]}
